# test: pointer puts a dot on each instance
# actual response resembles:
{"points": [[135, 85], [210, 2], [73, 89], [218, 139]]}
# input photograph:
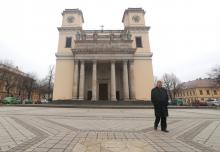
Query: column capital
{"points": [[82, 61], [113, 61], [131, 61], [94, 61], [125, 61]]}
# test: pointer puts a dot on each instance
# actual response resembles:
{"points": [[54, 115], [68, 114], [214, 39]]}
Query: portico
{"points": [[98, 80]]}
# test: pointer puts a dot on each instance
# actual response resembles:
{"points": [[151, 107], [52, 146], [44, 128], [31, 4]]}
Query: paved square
{"points": [[41, 129]]}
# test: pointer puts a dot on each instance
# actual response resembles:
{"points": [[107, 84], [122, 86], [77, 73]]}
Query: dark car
{"points": [[27, 101]]}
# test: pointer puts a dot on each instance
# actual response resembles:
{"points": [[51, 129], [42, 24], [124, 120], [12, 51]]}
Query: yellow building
{"points": [[103, 64], [199, 90], [12, 81]]}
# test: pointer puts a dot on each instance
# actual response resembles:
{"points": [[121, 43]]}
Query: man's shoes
{"points": [[155, 128], [166, 131]]}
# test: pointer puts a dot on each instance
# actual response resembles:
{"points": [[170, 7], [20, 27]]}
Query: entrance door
{"points": [[117, 95], [89, 95], [103, 91]]}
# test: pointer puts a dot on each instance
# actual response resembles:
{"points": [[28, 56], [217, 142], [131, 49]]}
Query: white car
{"points": [[214, 103], [44, 101]]}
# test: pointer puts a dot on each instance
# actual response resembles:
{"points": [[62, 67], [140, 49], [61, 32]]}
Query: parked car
{"points": [[27, 101], [199, 103], [11, 100], [213, 103], [44, 101], [178, 102]]}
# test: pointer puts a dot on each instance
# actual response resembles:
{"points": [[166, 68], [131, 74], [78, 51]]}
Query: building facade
{"points": [[13, 82], [103, 64], [200, 90]]}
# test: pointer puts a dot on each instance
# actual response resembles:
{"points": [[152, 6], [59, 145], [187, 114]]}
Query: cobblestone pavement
{"points": [[34, 129]]}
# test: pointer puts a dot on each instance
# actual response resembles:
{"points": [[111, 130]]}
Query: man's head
{"points": [[159, 84]]}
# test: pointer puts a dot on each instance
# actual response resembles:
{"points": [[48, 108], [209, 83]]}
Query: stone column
{"points": [[125, 80], [94, 81], [82, 80], [113, 83], [75, 80], [131, 74]]}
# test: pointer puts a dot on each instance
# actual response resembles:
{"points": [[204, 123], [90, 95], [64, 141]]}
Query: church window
{"points": [[68, 42], [138, 42]]}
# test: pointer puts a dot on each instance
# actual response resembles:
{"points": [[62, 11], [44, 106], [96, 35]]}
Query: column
{"points": [[82, 80], [125, 80], [113, 84], [94, 81], [131, 74], [75, 80]]}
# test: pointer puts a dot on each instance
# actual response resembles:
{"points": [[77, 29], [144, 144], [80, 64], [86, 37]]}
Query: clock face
{"points": [[70, 19], [136, 18]]}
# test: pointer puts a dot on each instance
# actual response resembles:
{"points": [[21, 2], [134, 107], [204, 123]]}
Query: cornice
{"points": [[109, 51], [69, 28], [138, 28], [143, 54], [104, 56]]}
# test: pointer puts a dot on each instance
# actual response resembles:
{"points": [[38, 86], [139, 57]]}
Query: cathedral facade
{"points": [[103, 64]]}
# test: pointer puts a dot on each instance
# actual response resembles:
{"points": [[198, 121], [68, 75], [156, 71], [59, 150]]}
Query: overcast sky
{"points": [[184, 34]]}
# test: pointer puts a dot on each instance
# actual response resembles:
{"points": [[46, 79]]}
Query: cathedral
{"points": [[103, 65]]}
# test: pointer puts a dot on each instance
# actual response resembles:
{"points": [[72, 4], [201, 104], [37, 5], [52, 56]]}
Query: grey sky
{"points": [[184, 34]]}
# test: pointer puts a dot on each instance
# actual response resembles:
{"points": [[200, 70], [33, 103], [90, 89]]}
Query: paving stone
{"points": [[28, 129]]}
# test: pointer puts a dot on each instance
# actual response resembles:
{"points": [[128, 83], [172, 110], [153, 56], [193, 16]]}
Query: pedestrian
{"points": [[159, 98]]}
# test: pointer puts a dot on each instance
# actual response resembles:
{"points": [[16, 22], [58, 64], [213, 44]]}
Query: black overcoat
{"points": [[159, 98]]}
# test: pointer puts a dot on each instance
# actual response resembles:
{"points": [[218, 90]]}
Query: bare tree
{"points": [[8, 79], [47, 83], [41, 88], [50, 81], [29, 84], [10, 82], [215, 74], [170, 83], [7, 63], [20, 86], [3, 65]]}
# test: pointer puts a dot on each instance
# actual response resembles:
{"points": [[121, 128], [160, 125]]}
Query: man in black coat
{"points": [[159, 98]]}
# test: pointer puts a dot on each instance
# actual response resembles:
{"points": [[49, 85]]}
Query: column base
{"points": [[126, 99], [114, 99], [81, 98], [75, 98], [94, 99]]}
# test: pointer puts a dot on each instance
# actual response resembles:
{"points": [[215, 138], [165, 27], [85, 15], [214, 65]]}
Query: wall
{"points": [[63, 84]]}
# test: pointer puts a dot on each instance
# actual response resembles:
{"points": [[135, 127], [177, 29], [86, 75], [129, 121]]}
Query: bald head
{"points": [[159, 84]]}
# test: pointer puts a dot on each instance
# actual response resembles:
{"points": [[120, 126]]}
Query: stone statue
{"points": [[128, 35], [95, 36], [112, 36], [78, 35], [123, 35], [84, 36]]}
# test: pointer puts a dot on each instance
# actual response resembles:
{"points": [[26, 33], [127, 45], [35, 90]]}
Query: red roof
{"points": [[200, 83]]}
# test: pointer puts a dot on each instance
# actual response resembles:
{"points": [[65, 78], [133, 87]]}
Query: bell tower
{"points": [[134, 17], [72, 18], [134, 22]]}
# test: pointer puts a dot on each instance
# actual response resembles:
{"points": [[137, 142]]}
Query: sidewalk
{"points": [[43, 129]]}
